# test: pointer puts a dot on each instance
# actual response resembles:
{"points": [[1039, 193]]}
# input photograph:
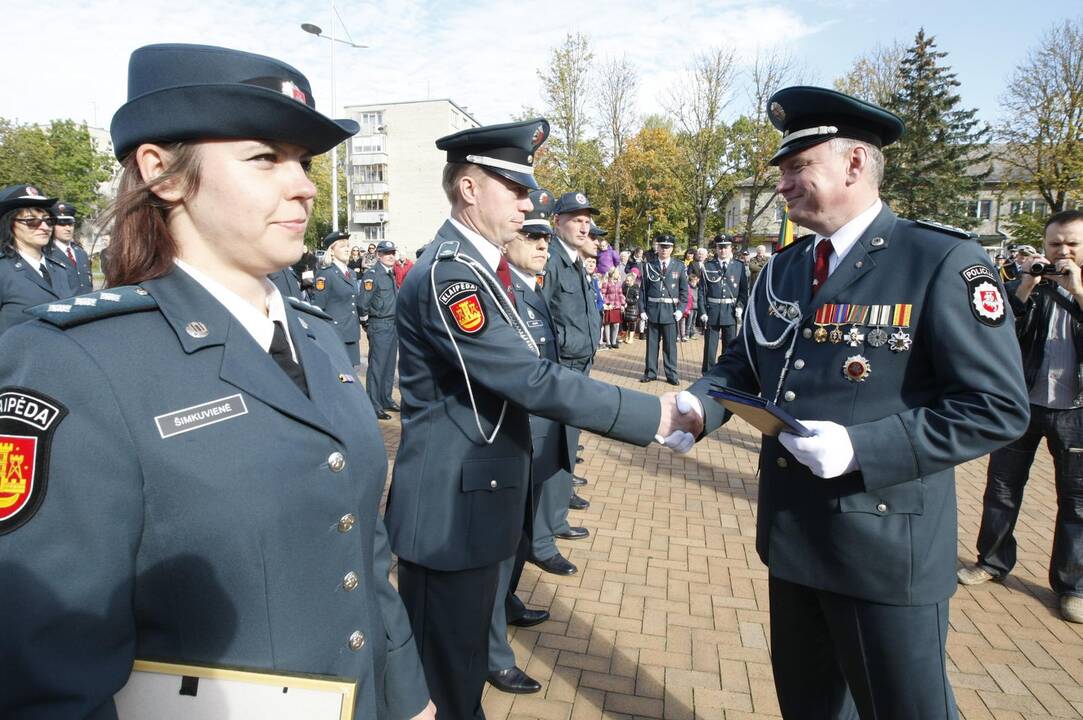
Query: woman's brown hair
{"points": [[141, 247]]}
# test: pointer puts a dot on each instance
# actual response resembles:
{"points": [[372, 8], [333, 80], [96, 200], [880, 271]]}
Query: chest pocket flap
{"points": [[903, 499]]}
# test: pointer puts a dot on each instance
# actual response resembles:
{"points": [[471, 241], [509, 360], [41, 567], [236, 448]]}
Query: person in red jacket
{"points": [[401, 268]]}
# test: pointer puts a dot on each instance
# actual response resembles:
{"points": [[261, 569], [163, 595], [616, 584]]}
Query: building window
{"points": [[370, 173], [368, 144], [1029, 207], [371, 122], [371, 232], [364, 203], [981, 209]]}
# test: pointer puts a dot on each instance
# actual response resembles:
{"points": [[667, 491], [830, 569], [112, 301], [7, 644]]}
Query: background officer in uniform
{"points": [[661, 305], [335, 291], [470, 375], [723, 288], [376, 302], [888, 339], [30, 274], [527, 255], [69, 252]]}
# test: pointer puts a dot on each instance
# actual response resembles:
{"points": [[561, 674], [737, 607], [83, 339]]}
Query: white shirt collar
{"points": [[261, 327], [35, 264], [62, 245], [341, 266], [845, 237], [531, 281], [489, 253], [571, 252]]}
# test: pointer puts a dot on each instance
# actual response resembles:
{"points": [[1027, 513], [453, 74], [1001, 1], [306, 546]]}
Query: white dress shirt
{"points": [[845, 237], [36, 264], [489, 252]]}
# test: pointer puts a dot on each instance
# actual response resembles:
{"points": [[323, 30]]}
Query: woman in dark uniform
{"points": [[29, 275], [188, 471]]}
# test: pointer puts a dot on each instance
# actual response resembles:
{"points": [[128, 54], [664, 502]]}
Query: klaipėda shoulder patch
{"points": [[986, 299], [321, 283], [28, 420], [462, 301]]}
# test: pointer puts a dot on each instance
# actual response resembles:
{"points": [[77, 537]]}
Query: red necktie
{"points": [[71, 256], [504, 274], [819, 270]]}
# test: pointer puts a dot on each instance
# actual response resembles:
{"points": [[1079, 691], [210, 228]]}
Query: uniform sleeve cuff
{"points": [[405, 690]]}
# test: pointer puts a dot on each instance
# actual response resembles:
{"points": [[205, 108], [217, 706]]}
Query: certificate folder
{"points": [[759, 412]]}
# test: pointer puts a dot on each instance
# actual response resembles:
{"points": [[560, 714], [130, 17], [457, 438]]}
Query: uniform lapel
{"points": [[22, 266], [857, 262]]}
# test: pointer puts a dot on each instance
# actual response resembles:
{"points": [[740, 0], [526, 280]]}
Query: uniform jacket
{"points": [[21, 287], [376, 299], [663, 292], [572, 305], [456, 502], [338, 298], [287, 283], [885, 533], [1032, 328], [225, 543], [80, 277], [720, 293]]}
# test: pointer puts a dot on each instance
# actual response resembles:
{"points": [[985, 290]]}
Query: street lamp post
{"points": [[318, 32]]}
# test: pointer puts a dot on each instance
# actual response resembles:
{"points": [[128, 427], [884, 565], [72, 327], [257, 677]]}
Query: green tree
{"points": [[874, 76], [319, 224], [654, 202], [942, 158], [617, 84], [566, 89], [60, 159]]}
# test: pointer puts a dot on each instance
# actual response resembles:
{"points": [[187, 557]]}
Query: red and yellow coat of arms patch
{"points": [[463, 304], [27, 423]]}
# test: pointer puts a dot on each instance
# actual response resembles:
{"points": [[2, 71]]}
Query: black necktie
{"points": [[45, 274], [723, 268], [280, 353]]}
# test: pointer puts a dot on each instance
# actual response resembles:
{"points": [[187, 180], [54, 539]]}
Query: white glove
{"points": [[678, 441], [703, 318], [643, 316], [739, 312], [687, 402], [828, 453], [677, 315]]}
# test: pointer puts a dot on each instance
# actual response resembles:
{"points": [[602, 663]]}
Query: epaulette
{"points": [[448, 249], [95, 306], [948, 229], [309, 308], [795, 243]]}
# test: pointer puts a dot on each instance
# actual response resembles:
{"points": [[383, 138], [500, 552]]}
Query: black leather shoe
{"points": [[393, 407], [575, 533], [513, 680], [530, 618], [578, 481], [578, 460], [383, 415], [578, 503], [558, 565], [674, 381], [579, 448], [646, 379]]}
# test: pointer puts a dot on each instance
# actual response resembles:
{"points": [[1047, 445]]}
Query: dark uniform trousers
{"points": [[664, 292], [721, 291], [1009, 468], [861, 566], [376, 299], [457, 502]]}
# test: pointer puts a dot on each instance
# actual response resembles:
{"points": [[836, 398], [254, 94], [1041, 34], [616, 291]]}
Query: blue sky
{"points": [[68, 58]]}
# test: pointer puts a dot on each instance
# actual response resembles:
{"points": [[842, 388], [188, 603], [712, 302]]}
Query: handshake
{"points": [[681, 422]]}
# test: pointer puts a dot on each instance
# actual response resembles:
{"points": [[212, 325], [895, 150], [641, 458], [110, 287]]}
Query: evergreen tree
{"points": [[927, 174]]}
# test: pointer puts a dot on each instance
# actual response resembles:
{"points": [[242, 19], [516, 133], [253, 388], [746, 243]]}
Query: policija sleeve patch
{"points": [[28, 420], [986, 299], [463, 304]]}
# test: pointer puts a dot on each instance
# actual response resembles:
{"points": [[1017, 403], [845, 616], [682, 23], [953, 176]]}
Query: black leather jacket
{"points": [[1032, 325]]}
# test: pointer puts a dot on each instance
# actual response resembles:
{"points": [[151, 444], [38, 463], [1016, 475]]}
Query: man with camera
{"points": [[1047, 299]]}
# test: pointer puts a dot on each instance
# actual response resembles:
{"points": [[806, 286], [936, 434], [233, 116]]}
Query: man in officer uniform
{"points": [[377, 305], [578, 324], [470, 375], [527, 255], [661, 304], [887, 338], [722, 290], [70, 253], [335, 291]]}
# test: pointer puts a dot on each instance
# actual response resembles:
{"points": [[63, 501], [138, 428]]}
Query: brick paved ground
{"points": [[667, 617]]}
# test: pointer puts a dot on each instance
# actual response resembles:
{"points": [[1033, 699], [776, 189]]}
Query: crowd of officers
{"points": [[493, 334]]}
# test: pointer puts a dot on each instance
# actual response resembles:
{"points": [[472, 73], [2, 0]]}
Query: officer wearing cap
{"points": [[569, 291], [30, 272], [376, 303], [335, 291], [470, 374], [661, 304], [723, 293], [890, 340], [69, 252], [206, 473]]}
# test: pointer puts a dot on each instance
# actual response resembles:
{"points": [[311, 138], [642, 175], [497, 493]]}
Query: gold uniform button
{"points": [[881, 507], [356, 641], [346, 523], [806, 333], [789, 396], [781, 462], [799, 364], [350, 581], [492, 484], [336, 462]]}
